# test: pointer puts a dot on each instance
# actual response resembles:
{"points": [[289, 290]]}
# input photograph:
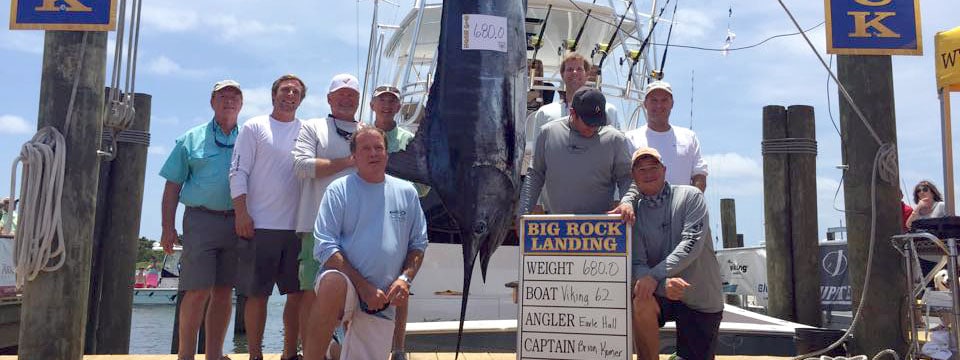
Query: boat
{"points": [[404, 55], [165, 291]]}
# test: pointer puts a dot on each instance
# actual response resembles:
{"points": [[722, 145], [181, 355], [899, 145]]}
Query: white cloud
{"points": [[163, 65], [733, 166], [23, 41], [232, 28], [169, 20], [12, 124], [158, 150], [693, 26]]}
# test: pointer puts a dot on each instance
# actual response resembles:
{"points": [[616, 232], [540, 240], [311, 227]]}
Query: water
{"points": [[151, 330]]}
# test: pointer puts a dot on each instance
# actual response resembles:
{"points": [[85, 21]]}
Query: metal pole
{"points": [[411, 54], [954, 288], [947, 131], [371, 47], [910, 299]]}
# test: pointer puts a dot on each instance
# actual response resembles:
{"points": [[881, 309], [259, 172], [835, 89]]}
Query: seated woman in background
{"points": [[929, 203]]}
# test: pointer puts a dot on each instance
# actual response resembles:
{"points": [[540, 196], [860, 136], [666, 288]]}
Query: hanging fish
{"points": [[468, 147]]}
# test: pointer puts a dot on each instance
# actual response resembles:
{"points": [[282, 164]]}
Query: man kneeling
{"points": [[370, 237], [676, 274]]}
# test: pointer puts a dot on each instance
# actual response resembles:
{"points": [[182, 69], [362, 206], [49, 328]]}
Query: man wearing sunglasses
{"points": [[197, 175], [371, 235], [322, 154]]}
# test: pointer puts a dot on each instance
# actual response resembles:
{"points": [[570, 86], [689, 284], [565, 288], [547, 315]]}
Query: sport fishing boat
{"points": [[617, 37]]}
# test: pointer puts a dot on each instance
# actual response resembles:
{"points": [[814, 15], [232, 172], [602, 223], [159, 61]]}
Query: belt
{"points": [[215, 212]]}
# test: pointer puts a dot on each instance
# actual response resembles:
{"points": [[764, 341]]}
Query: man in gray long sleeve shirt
{"points": [[676, 274], [578, 161]]}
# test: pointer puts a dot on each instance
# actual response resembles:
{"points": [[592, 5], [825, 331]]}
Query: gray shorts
{"points": [[209, 250], [269, 258]]}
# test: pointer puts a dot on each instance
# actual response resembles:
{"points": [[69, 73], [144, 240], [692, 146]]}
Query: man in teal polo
{"points": [[197, 173]]}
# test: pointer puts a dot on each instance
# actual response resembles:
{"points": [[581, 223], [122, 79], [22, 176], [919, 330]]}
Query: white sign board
{"points": [[8, 278], [574, 288], [484, 32]]}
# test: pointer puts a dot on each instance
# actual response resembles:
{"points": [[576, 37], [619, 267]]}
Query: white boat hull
{"points": [[155, 296]]}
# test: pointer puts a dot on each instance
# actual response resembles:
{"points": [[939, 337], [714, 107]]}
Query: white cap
{"points": [[220, 85], [344, 81], [658, 85]]}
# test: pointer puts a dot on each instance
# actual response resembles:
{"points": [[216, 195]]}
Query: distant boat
{"points": [[165, 290]]}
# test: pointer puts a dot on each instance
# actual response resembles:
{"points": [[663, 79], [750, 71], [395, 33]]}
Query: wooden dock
{"points": [[412, 356]]}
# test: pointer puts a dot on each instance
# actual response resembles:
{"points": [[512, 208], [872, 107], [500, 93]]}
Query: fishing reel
{"points": [[656, 75], [600, 48], [632, 55]]}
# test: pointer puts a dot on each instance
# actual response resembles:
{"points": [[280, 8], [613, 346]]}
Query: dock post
{"points": [[108, 328], [776, 213], [728, 223], [803, 214], [869, 80], [54, 311]]}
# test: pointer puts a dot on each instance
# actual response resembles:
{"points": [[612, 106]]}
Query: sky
{"points": [[186, 46]]}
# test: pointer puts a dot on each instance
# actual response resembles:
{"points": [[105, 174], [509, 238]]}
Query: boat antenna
{"points": [[538, 41], [663, 60], [691, 98]]}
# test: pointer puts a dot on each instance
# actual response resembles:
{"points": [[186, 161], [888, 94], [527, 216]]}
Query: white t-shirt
{"points": [[679, 148], [262, 168], [318, 139]]}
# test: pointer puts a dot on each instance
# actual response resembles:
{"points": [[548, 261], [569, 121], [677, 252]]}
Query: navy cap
{"points": [[591, 106]]}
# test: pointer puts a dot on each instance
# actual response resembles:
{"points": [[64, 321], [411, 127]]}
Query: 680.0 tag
{"points": [[484, 32]]}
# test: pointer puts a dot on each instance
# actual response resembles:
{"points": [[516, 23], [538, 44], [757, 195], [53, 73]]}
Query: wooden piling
{"points": [[869, 79], [780, 302], [728, 224], [54, 311], [117, 252], [803, 218]]}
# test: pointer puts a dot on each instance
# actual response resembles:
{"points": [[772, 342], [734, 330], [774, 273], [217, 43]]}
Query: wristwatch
{"points": [[405, 279]]}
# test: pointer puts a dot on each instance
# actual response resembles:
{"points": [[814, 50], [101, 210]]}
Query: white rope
{"points": [[38, 241]]}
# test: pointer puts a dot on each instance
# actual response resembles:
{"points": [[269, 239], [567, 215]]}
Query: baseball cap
{"points": [[646, 151], [658, 85], [590, 105], [222, 84], [386, 89], [344, 81]]}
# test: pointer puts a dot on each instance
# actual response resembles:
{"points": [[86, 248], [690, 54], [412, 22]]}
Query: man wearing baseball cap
{"points": [[679, 146], [322, 154], [385, 105], [263, 186], [197, 174], [578, 162], [675, 272]]}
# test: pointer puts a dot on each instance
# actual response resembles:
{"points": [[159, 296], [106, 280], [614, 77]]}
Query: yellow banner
{"points": [[947, 44]]}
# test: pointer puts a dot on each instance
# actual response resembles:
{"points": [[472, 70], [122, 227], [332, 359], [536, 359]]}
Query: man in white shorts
{"points": [[370, 239]]}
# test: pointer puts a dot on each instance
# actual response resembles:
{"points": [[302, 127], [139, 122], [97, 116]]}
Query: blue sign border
{"points": [[23, 16], [910, 44]]}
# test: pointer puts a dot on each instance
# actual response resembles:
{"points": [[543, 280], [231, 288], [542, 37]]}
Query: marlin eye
{"points": [[480, 227]]}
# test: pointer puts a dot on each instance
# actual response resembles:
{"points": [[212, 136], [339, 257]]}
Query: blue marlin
{"points": [[469, 147]]}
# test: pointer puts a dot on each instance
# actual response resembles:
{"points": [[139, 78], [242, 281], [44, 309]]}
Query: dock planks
{"points": [[412, 356]]}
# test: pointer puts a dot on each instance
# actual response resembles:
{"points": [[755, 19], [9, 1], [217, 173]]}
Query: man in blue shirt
{"points": [[370, 238], [197, 173]]}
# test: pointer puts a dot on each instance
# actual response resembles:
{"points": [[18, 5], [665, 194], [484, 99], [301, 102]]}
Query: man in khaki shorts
{"points": [[197, 176], [371, 236]]}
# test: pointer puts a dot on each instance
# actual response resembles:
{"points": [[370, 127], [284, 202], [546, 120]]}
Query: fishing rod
{"points": [[573, 46], [604, 48], [635, 56], [538, 42], [663, 60]]}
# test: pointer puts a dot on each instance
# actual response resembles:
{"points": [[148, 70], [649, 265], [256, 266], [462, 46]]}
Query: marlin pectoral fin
{"points": [[411, 163]]}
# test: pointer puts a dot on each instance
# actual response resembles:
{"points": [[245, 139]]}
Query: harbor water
{"points": [[151, 330]]}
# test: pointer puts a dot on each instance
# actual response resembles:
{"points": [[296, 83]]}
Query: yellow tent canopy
{"points": [[947, 59]]}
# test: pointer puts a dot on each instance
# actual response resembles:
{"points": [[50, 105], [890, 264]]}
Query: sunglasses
{"points": [[923, 189], [363, 306], [216, 141]]}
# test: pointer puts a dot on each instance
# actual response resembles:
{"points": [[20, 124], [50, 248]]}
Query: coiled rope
{"points": [[38, 241]]}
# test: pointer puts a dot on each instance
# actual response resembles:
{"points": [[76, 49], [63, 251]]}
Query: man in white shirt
{"points": [[678, 146], [322, 154], [264, 188]]}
